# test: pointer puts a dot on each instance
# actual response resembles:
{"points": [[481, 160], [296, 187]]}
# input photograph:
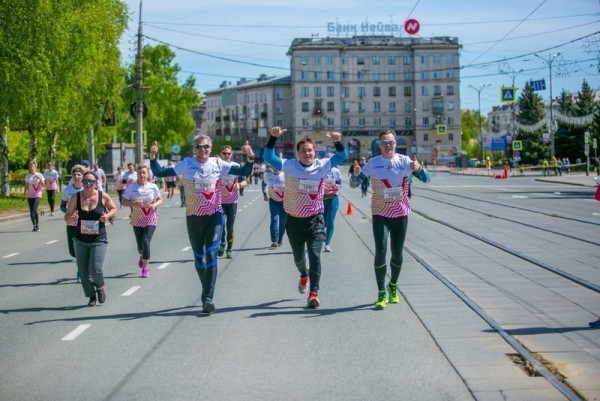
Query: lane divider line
{"points": [[162, 266], [10, 255], [187, 248], [131, 290], [51, 242], [76, 333]]}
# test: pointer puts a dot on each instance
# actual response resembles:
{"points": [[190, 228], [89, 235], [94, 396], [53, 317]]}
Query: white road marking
{"points": [[187, 248], [76, 333], [10, 255], [131, 290], [162, 266], [519, 197], [51, 242], [593, 214]]}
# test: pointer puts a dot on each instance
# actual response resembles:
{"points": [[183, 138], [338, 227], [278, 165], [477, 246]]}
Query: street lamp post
{"points": [[479, 89], [550, 60]]}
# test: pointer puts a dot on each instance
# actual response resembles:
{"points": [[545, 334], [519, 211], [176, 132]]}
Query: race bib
{"points": [[228, 181], [307, 186], [392, 194], [90, 227], [204, 185]]}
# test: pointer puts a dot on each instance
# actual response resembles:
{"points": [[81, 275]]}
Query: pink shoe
{"points": [[141, 263], [145, 273]]}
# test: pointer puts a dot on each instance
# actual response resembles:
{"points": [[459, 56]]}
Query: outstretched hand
{"points": [[334, 136], [415, 165], [153, 150], [277, 131], [247, 150]]}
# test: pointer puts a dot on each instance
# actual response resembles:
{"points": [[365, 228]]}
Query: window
{"points": [[330, 75], [392, 107], [279, 110], [346, 107], [317, 60], [361, 75], [408, 106], [450, 137], [330, 123], [377, 122], [449, 74], [361, 122], [362, 92], [303, 60], [406, 60], [450, 105], [407, 76], [437, 75], [345, 122], [303, 75], [392, 91], [407, 91], [360, 60], [391, 60], [375, 60], [279, 95], [329, 60], [345, 60], [318, 124], [330, 106], [376, 107], [436, 59], [345, 92], [392, 122], [330, 91], [424, 91], [304, 91], [408, 121], [344, 75], [376, 91], [361, 107], [449, 59], [450, 121], [391, 75], [425, 105], [425, 137], [423, 59], [305, 106], [318, 106], [425, 120], [425, 75], [437, 90], [449, 90], [305, 123], [318, 75], [317, 91], [376, 76], [438, 106]]}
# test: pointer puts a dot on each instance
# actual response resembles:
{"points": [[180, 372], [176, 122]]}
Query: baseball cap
{"points": [[85, 163]]}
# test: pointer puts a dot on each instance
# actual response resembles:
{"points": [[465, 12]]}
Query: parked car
{"points": [[473, 162]]}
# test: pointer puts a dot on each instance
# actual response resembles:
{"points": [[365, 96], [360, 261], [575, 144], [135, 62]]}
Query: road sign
{"points": [[176, 149], [134, 137], [517, 145], [538, 85], [507, 94], [412, 26], [441, 129]]}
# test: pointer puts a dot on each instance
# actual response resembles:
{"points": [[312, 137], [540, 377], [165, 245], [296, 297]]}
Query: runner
{"points": [[202, 177], [390, 207], [171, 183], [303, 202], [230, 186], [34, 183], [87, 210], [101, 177], [119, 184], [73, 188], [331, 203], [275, 182], [144, 199], [51, 176]]}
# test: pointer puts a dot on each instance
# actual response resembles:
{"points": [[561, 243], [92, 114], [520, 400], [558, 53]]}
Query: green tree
{"points": [[169, 103], [531, 111], [469, 125], [564, 137]]}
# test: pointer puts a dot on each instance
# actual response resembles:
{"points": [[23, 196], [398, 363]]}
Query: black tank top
{"points": [[89, 227]]}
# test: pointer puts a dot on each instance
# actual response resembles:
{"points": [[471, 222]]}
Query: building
{"points": [[500, 119], [358, 86]]}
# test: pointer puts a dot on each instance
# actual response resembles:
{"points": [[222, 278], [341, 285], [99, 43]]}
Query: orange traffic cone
{"points": [[349, 210]]}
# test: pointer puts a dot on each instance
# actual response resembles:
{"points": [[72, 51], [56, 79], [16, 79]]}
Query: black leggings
{"points": [[120, 192], [143, 236], [71, 231], [395, 228], [307, 233], [205, 236], [229, 213], [34, 203], [51, 196]]}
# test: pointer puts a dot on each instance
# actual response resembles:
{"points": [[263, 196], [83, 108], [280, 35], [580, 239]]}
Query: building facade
{"points": [[358, 86]]}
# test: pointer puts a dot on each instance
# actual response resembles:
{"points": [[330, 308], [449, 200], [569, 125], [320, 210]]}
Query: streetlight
{"points": [[479, 89], [550, 60]]}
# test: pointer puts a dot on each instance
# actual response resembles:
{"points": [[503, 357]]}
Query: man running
{"points": [[229, 200]]}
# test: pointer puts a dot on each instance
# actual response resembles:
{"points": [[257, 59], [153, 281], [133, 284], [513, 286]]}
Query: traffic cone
{"points": [[349, 210]]}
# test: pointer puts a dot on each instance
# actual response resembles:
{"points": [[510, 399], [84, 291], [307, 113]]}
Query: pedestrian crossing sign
{"points": [[441, 129], [517, 145], [507, 94]]}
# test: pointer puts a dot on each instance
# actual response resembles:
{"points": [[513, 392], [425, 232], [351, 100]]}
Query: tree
{"points": [[564, 137], [531, 111], [469, 125], [169, 120]]}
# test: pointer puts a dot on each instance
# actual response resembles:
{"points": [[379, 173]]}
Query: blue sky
{"points": [[254, 37]]}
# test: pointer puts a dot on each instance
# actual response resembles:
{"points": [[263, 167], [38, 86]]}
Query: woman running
{"points": [[275, 182], [202, 177], [119, 184], [73, 188], [34, 183], [87, 210], [390, 207], [144, 199], [303, 202], [51, 176], [229, 200], [331, 203]]}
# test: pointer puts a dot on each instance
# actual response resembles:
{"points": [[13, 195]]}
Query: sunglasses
{"points": [[387, 142], [225, 153], [87, 181], [203, 147]]}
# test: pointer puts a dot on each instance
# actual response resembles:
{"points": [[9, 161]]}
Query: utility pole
{"points": [[481, 87], [550, 60], [139, 109]]}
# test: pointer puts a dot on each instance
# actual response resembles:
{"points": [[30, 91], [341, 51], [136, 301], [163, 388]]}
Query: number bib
{"points": [[393, 194], [307, 186], [90, 227], [204, 185]]}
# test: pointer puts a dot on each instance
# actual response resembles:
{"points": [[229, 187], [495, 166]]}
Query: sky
{"points": [[226, 40]]}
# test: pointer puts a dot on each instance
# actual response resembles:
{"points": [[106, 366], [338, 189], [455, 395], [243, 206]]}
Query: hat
{"points": [[85, 163]]}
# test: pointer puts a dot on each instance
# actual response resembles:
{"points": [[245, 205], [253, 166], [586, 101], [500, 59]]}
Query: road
{"points": [[150, 341]]}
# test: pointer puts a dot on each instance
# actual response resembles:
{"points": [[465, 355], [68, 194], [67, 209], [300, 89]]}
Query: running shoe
{"points": [[273, 244], [92, 300], [221, 251], [101, 295], [327, 248], [313, 300], [595, 323], [145, 273], [303, 284], [380, 303], [280, 244], [229, 254], [208, 305], [141, 263], [393, 295]]}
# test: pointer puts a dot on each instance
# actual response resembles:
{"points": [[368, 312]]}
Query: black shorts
{"points": [[171, 184]]}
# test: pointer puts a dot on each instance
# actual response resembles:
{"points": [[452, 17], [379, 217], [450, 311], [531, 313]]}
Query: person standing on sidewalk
{"points": [[34, 183], [202, 178], [272, 187], [51, 176], [230, 186], [303, 203], [144, 199], [331, 202], [390, 207], [90, 209]]}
